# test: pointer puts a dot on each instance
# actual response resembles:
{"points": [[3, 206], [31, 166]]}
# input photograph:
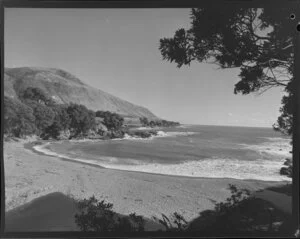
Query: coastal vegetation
{"points": [[240, 214], [157, 123], [35, 113], [99, 217]]}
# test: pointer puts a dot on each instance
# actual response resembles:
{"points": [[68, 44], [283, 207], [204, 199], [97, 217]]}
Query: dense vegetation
{"points": [[36, 113], [240, 214], [157, 123], [111, 120], [99, 216], [18, 118]]}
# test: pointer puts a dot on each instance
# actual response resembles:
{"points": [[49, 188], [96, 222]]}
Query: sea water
{"points": [[188, 150]]}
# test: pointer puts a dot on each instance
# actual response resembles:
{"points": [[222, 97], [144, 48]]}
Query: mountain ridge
{"points": [[63, 87]]}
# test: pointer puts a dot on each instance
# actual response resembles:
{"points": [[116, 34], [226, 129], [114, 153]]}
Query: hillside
{"points": [[63, 87]]}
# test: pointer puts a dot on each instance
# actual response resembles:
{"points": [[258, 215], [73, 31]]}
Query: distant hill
{"points": [[64, 87]]}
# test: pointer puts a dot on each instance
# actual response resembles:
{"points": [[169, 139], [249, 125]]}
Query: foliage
{"points": [[144, 121], [82, 119], [178, 222], [160, 123], [18, 118], [258, 41], [37, 95], [52, 131], [239, 214], [112, 121], [61, 122], [43, 114], [99, 216], [237, 196], [242, 214]]}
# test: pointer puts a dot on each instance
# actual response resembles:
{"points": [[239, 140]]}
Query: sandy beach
{"points": [[29, 175]]}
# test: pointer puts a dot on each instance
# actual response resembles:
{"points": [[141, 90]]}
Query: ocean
{"points": [[187, 150]]}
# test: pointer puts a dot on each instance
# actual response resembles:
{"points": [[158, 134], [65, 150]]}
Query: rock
{"points": [[286, 171]]}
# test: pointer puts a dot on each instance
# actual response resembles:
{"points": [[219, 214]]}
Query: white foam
{"points": [[145, 128], [129, 137], [185, 126], [213, 168], [278, 147], [265, 170], [160, 134], [174, 134]]}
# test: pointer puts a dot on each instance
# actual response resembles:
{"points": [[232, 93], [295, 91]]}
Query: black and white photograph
{"points": [[149, 120]]}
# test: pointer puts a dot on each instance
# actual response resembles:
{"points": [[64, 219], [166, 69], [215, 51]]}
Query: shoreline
{"points": [[31, 147], [146, 194]]}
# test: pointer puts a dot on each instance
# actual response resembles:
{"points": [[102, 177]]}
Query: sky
{"points": [[116, 50]]}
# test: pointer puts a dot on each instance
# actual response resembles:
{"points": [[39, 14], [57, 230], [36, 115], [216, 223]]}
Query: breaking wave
{"points": [[259, 169]]}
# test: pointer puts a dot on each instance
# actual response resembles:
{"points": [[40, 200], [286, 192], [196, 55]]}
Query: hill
{"points": [[64, 87]]}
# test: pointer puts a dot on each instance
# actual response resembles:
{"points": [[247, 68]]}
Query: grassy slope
{"points": [[65, 88]]}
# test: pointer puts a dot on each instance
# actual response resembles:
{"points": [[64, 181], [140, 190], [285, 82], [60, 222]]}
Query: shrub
{"points": [[81, 119], [37, 95], [99, 216], [19, 120], [177, 222], [44, 116], [112, 121]]}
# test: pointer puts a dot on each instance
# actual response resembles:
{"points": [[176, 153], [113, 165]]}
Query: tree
{"points": [[81, 119], [61, 121], [43, 114], [144, 121], [18, 118], [36, 94], [258, 41], [112, 121]]}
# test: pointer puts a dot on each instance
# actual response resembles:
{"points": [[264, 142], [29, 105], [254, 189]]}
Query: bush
{"points": [[61, 122], [44, 116], [37, 95], [99, 216], [112, 121], [177, 222], [19, 120], [239, 214], [81, 119], [160, 123]]}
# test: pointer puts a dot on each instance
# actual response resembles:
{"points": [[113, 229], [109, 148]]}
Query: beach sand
{"points": [[29, 175]]}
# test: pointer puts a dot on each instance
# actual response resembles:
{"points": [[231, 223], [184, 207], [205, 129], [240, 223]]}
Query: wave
{"points": [[174, 134], [160, 134], [184, 126], [276, 139], [265, 170], [278, 147], [146, 128]]}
